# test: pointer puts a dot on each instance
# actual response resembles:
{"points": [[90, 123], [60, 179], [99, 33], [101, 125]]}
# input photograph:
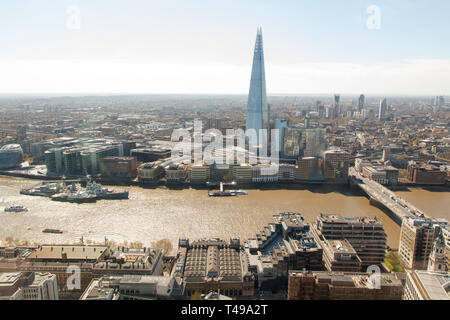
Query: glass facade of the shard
{"points": [[257, 109]]}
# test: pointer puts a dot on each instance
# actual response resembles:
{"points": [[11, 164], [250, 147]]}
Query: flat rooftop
{"points": [[341, 246], [436, 285], [67, 252], [337, 218], [9, 278]]}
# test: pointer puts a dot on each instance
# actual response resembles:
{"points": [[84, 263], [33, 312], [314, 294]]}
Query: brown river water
{"points": [[153, 214]]}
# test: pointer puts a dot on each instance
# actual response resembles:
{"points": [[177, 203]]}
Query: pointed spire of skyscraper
{"points": [[257, 109]]}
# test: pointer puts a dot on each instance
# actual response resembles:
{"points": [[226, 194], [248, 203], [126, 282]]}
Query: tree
{"points": [[164, 244], [196, 296]]}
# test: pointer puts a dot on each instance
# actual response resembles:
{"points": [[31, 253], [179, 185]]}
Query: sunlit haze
{"points": [[206, 47]]}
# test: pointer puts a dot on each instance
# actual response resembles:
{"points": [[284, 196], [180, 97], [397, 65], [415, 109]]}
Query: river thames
{"points": [[153, 214]]}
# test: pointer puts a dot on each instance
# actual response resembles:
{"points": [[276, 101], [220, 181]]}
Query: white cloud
{"points": [[123, 76]]}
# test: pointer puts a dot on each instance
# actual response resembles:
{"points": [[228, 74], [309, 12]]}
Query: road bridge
{"points": [[379, 195]]}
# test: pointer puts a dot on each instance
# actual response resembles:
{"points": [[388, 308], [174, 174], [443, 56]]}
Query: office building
{"points": [[118, 168], [417, 239], [176, 173], [257, 108], [150, 154], [314, 142], [243, 174], [385, 175], [264, 173], [339, 255], [335, 166], [92, 262], [28, 286], [307, 285], [280, 125], [426, 174], [11, 155], [366, 236], [284, 244], [199, 173], [92, 157], [337, 106], [308, 170], [361, 102], [426, 285], [285, 172], [382, 110], [293, 143], [212, 123], [150, 173], [134, 287]]}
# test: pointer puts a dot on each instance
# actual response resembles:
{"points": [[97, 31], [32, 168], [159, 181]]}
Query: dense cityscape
{"points": [[166, 197]]}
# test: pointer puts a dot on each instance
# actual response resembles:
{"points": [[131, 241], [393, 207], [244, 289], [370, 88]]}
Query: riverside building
{"points": [[92, 262], [335, 166], [284, 244], [307, 285], [417, 239], [213, 265], [365, 235]]}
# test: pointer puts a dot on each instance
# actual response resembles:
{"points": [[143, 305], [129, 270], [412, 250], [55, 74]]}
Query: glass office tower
{"points": [[257, 109]]}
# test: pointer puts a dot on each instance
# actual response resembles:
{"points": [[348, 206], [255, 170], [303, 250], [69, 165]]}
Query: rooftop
{"points": [[435, 284], [336, 218], [9, 278], [67, 252]]}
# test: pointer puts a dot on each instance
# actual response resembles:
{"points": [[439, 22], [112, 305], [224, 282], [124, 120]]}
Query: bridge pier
{"points": [[374, 202]]}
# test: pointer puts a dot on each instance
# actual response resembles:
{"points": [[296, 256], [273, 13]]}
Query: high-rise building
{"points": [[382, 110], [280, 125], [257, 108], [315, 142], [365, 235], [214, 123], [292, 142], [361, 102], [439, 101], [337, 105]]}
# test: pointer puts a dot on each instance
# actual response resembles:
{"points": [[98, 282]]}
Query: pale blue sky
{"points": [[205, 46]]}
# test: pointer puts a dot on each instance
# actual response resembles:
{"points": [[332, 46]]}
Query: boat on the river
{"points": [[16, 209]]}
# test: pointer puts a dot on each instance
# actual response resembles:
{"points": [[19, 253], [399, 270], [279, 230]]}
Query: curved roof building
{"points": [[11, 155]]}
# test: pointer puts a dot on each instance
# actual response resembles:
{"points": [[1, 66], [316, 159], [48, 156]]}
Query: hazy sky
{"points": [[205, 46]]}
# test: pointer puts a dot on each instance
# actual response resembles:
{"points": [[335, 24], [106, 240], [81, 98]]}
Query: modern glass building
{"points": [[382, 110], [361, 102], [11, 155], [257, 108]]}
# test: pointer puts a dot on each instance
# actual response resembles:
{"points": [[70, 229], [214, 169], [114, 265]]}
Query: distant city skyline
{"points": [[204, 47]]}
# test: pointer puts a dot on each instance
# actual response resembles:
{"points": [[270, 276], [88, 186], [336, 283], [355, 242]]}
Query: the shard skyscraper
{"points": [[257, 109]]}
